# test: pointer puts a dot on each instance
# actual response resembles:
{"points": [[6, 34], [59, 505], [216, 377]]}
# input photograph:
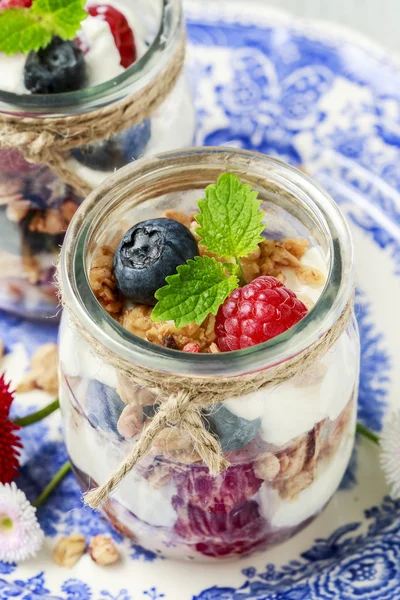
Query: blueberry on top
{"points": [[147, 254], [60, 67]]}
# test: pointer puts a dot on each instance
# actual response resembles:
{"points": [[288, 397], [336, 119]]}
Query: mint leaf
{"points": [[60, 17], [21, 31], [197, 289], [230, 219], [26, 29]]}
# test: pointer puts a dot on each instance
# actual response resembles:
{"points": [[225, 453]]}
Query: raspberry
{"points": [[122, 33], [191, 347], [15, 4], [256, 313], [218, 515], [13, 162]]}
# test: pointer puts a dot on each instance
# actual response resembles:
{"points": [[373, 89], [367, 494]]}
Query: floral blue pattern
{"points": [[269, 88]]}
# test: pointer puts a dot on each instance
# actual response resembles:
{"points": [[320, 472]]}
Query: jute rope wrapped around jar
{"points": [[182, 398], [49, 140]]}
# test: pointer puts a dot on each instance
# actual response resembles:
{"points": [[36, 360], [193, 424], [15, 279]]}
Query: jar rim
{"points": [[112, 90], [78, 295]]}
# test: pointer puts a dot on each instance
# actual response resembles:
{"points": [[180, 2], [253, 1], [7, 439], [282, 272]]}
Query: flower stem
{"points": [[367, 433], [38, 415], [58, 477]]}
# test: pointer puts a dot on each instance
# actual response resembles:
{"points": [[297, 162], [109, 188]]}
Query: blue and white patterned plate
{"points": [[329, 100]]}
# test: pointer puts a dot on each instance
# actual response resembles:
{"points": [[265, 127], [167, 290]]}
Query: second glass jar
{"points": [[36, 206]]}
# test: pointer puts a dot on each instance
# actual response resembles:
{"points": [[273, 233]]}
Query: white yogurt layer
{"points": [[78, 361], [97, 457]]}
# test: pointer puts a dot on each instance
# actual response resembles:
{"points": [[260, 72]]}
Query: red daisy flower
{"points": [[10, 443]]}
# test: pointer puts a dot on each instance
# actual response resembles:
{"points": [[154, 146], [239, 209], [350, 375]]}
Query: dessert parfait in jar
{"points": [[209, 355], [97, 86]]}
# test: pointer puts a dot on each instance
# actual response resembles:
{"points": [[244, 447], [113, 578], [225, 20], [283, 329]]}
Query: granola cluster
{"points": [[270, 258], [36, 208]]}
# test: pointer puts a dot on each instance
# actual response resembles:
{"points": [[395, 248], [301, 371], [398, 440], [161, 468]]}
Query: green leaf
{"points": [[21, 31], [230, 219], [26, 29], [197, 289], [60, 17]]}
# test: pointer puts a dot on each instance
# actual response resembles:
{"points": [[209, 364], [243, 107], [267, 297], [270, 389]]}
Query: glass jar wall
{"points": [[288, 446], [36, 205]]}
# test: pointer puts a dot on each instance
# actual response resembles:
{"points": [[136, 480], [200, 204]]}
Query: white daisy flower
{"points": [[390, 453], [20, 534]]}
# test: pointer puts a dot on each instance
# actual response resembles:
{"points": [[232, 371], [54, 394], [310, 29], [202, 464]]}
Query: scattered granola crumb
{"points": [[130, 422], [48, 221], [44, 371], [310, 276], [69, 550], [102, 280], [131, 393], [158, 475], [31, 268], [267, 466], [295, 246], [103, 550], [17, 210], [214, 348]]}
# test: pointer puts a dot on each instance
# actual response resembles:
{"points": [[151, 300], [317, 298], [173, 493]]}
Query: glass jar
{"points": [[303, 429], [36, 206]]}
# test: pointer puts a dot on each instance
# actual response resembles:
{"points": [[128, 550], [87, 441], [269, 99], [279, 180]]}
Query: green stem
{"points": [[53, 484], [38, 415], [367, 433], [242, 280]]}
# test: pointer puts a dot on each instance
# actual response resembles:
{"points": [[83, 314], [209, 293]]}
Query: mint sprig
{"points": [[230, 219], [197, 290], [230, 222], [26, 29]]}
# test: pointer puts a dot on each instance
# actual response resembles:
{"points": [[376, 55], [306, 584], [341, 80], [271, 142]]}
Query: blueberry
{"points": [[117, 151], [104, 406], [234, 433], [147, 254], [60, 67]]}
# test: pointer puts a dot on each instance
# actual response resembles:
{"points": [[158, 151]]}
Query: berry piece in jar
{"points": [[13, 162], [58, 68], [104, 406], [257, 313], [219, 515], [120, 29], [116, 151], [192, 347], [233, 433], [15, 4], [147, 254]]}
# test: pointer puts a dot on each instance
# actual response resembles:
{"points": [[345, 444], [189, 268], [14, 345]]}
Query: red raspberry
{"points": [[13, 162], [191, 347], [122, 33], [15, 4], [256, 313]]}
